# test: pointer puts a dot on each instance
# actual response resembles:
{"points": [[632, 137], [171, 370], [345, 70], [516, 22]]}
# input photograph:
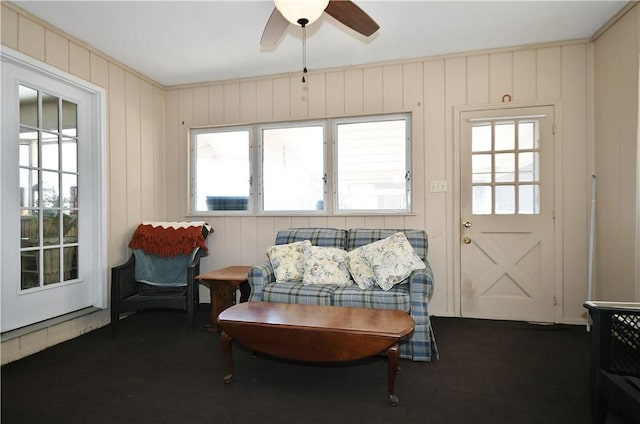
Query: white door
{"points": [[506, 211], [51, 229]]}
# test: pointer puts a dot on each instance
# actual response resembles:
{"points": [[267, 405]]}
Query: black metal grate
{"points": [[625, 343]]}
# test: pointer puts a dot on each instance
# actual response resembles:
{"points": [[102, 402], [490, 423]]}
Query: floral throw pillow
{"points": [[286, 260], [325, 265], [360, 270], [392, 260]]}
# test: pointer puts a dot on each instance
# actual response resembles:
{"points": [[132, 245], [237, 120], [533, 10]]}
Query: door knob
{"points": [[467, 240], [466, 224]]}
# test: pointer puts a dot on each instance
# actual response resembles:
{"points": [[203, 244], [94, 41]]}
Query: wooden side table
{"points": [[223, 284]]}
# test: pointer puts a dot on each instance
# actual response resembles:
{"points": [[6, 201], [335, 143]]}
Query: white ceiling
{"points": [[180, 42]]}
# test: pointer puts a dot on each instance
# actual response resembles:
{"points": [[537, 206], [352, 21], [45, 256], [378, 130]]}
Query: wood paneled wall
{"points": [[430, 89], [616, 160]]}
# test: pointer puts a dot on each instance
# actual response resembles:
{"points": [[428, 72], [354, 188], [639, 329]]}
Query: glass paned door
{"points": [[48, 165], [506, 211], [52, 226]]}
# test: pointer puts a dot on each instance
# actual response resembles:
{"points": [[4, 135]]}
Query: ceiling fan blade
{"points": [[276, 26], [352, 16]]}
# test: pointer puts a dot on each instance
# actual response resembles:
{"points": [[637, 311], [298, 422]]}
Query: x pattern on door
{"points": [[507, 268]]}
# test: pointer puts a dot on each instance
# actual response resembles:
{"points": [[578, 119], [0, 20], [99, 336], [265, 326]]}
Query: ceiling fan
{"points": [[303, 13]]}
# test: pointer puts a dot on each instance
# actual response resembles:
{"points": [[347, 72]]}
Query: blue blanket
{"points": [[170, 271]]}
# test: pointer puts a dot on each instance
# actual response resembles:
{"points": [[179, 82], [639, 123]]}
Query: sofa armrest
{"points": [[259, 276], [421, 281], [420, 290]]}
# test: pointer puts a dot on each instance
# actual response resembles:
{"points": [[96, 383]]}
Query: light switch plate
{"points": [[439, 186]]}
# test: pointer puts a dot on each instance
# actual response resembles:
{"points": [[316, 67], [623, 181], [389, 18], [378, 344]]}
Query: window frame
{"points": [[408, 156], [193, 133], [330, 159], [260, 163]]}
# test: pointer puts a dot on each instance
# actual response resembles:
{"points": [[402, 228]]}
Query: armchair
{"points": [[160, 273]]}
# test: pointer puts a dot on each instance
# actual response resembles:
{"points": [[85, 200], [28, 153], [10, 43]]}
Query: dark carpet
{"points": [[157, 372]]}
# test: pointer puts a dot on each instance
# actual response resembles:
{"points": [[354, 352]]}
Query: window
{"points": [[372, 164], [293, 174], [222, 170], [370, 159]]}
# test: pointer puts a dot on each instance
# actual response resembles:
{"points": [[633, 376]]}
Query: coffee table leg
{"points": [[225, 340], [393, 355]]}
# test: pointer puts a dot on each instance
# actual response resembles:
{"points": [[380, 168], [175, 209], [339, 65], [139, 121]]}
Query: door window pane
{"points": [[28, 106], [50, 150], [515, 163], [51, 268], [48, 197], [28, 151], [529, 199], [482, 200], [481, 138], [29, 188], [505, 167], [70, 262], [50, 112], [29, 269], [529, 168], [69, 119], [505, 199], [50, 190], [481, 168], [293, 169], [70, 227], [69, 155], [69, 191], [505, 136], [51, 227], [527, 136], [29, 228]]}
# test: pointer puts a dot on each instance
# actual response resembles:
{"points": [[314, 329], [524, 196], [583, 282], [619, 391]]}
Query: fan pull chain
{"points": [[303, 23], [304, 53]]}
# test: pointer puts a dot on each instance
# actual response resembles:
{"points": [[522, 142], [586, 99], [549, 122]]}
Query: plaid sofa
{"points": [[412, 297]]}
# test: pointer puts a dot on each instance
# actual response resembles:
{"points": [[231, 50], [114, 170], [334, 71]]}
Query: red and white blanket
{"points": [[170, 238]]}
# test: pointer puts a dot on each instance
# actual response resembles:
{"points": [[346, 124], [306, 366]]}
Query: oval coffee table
{"points": [[315, 333]]}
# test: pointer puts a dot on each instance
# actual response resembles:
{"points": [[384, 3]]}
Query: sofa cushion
{"points": [[361, 236], [375, 297], [325, 265], [325, 237], [392, 260], [360, 270], [296, 292], [287, 260]]}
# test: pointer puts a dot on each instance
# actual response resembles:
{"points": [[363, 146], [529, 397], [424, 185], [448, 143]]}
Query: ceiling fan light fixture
{"points": [[296, 10]]}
